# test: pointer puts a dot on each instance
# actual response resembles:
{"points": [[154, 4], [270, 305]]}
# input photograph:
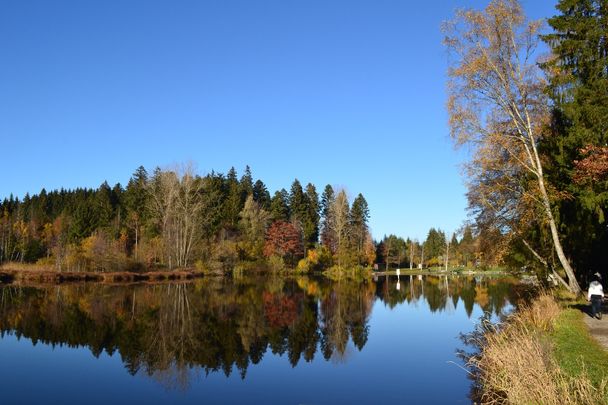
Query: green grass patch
{"points": [[575, 350]]}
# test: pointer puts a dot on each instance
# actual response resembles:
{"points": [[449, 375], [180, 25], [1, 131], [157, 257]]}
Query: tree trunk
{"points": [[573, 285]]}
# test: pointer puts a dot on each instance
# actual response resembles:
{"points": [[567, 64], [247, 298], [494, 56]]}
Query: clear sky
{"points": [[343, 92]]}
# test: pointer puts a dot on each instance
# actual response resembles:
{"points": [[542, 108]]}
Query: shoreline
{"points": [[50, 277], [549, 338], [428, 272]]}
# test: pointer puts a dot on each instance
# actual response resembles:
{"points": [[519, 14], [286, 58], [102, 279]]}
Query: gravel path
{"points": [[598, 328]]}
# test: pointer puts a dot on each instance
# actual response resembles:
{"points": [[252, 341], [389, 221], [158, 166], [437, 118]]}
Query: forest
{"points": [[178, 219]]}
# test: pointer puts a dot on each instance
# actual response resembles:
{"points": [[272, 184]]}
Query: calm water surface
{"points": [[251, 340]]}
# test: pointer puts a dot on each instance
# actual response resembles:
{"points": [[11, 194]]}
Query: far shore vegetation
{"points": [[213, 224]]}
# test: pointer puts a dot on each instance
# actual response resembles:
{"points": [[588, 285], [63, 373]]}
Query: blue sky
{"points": [[344, 92]]}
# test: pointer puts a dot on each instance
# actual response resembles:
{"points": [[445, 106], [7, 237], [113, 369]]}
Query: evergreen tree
{"points": [[103, 206], [434, 246], [233, 198], [261, 194], [395, 251], [279, 206], [359, 215], [213, 196], [297, 203], [327, 200], [135, 198], [578, 86], [136, 204], [311, 221], [83, 221], [246, 185]]}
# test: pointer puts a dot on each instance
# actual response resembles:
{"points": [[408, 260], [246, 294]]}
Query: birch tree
{"points": [[338, 223], [176, 205], [496, 101]]}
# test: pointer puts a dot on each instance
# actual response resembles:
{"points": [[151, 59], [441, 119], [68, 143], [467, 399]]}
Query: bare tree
{"points": [[447, 252], [411, 254], [339, 223], [176, 204]]}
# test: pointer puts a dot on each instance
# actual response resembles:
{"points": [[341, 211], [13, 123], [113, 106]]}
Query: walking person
{"points": [[595, 294]]}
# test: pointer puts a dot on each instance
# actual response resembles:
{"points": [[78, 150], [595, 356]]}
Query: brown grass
{"points": [[31, 273], [17, 266], [516, 365]]}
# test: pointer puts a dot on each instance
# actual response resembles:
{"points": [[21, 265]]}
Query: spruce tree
{"points": [[233, 198], [279, 206], [327, 200], [359, 215], [297, 202], [578, 86], [246, 185], [261, 194], [311, 221]]}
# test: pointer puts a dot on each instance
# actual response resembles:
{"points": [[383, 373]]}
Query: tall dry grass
{"points": [[18, 266], [516, 366]]}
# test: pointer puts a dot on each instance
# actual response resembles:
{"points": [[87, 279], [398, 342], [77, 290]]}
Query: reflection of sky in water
{"points": [[408, 358]]}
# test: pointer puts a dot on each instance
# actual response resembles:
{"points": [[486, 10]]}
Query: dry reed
{"points": [[516, 365]]}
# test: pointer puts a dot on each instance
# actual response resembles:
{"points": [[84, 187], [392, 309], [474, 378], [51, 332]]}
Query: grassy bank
{"points": [[542, 354], [574, 346]]}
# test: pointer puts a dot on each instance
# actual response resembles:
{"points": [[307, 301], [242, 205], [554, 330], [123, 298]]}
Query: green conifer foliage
{"points": [[261, 194], [279, 206], [578, 87], [311, 220]]}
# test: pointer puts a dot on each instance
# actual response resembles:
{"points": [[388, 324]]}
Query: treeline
{"points": [[177, 218], [538, 132], [437, 250]]}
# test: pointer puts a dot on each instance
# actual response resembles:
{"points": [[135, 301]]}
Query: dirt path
{"points": [[598, 328]]}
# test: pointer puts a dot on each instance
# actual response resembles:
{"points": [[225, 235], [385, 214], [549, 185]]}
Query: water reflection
{"points": [[445, 293], [223, 325]]}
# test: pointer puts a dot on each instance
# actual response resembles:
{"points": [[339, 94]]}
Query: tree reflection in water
{"points": [[173, 331]]}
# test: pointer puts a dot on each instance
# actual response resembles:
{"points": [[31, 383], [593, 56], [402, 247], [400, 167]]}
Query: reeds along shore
{"points": [[516, 363], [10, 276]]}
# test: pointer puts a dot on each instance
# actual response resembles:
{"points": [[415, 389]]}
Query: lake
{"points": [[259, 340]]}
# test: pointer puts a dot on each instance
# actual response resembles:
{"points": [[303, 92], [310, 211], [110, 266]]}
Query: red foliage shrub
{"points": [[283, 239]]}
